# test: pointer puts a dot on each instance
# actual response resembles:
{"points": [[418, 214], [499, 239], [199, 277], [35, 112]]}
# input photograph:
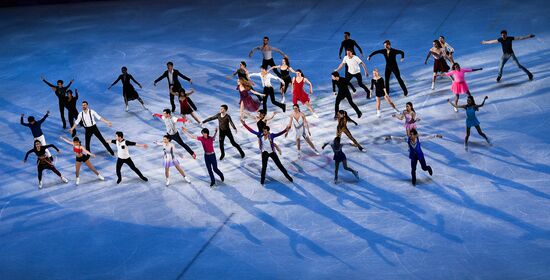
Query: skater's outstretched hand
{"points": [[402, 59]]}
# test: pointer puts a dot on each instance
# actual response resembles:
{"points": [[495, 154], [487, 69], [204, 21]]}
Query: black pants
{"points": [[73, 114], [270, 62], [223, 134], [42, 166], [397, 74], [212, 164], [130, 163], [275, 158], [176, 137], [269, 93], [62, 107], [92, 130], [359, 79], [345, 95], [422, 161]]}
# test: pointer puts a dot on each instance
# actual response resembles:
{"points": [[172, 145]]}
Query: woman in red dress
{"points": [[298, 93], [185, 108]]}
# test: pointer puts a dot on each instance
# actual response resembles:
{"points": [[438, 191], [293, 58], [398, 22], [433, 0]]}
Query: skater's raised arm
{"points": [[279, 51], [275, 135], [381, 51], [66, 140], [398, 116], [432, 136], [164, 75], [183, 76], [215, 133], [188, 134], [253, 50], [130, 143], [48, 83], [483, 102], [115, 82], [524, 37], [23, 123], [487, 42], [459, 106], [270, 118], [214, 117], [51, 146], [250, 129]]}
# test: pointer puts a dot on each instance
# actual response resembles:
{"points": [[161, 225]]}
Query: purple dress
{"points": [[248, 102]]}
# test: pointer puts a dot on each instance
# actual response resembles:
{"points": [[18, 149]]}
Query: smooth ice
{"points": [[483, 214]]}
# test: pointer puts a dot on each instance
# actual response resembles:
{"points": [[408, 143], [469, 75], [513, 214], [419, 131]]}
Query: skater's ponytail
{"points": [[412, 107]]}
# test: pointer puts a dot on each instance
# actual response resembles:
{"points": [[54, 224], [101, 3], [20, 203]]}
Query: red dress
{"points": [[185, 109], [298, 92], [248, 102]]}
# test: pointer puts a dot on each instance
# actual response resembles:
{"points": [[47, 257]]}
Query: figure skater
{"points": [[267, 52], [268, 88], [172, 131], [209, 153], [262, 121], [170, 158], [185, 106], [416, 155], [89, 118], [353, 71], [246, 101], [36, 130], [381, 91], [508, 52], [241, 72], [348, 44], [300, 123], [409, 114], [266, 142], [172, 75], [71, 107], [128, 91], [471, 120], [298, 92], [61, 93], [224, 121], [43, 161], [440, 65], [339, 157], [343, 93], [449, 51], [342, 127], [390, 54], [285, 75], [123, 155], [459, 85], [82, 156]]}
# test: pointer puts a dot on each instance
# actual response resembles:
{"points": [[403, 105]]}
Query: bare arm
{"points": [[339, 67], [256, 93], [253, 50], [487, 42], [483, 103], [289, 125], [459, 106], [310, 85], [87, 152], [188, 134], [428, 56], [66, 140]]}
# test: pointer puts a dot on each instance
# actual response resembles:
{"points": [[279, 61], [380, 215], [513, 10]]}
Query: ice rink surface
{"points": [[483, 214]]}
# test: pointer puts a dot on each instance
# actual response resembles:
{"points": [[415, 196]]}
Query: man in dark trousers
{"points": [[224, 121], [89, 119], [172, 75], [343, 93], [61, 93], [508, 52], [390, 55]]}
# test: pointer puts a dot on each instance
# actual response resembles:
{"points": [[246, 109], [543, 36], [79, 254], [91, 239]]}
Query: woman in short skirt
{"points": [[439, 55], [459, 85], [170, 159], [82, 156]]}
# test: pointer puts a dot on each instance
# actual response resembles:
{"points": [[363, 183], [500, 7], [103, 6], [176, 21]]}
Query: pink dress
{"points": [[298, 92], [409, 123], [249, 103], [459, 85]]}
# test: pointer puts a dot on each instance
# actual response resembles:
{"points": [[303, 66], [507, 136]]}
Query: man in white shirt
{"points": [[89, 119], [268, 88], [172, 131], [123, 155], [267, 52], [354, 71]]}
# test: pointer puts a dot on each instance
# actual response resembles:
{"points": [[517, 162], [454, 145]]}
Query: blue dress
{"points": [[471, 119]]}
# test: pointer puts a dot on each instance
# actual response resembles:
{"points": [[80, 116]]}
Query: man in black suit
{"points": [[349, 44], [390, 55], [172, 75]]}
